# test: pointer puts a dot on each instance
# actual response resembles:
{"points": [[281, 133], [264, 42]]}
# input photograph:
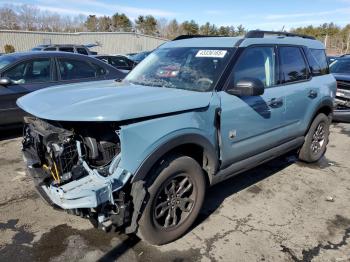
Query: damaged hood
{"points": [[109, 101]]}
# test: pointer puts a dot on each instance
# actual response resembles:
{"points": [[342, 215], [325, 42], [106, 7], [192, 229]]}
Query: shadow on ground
{"points": [[10, 133], [218, 193]]}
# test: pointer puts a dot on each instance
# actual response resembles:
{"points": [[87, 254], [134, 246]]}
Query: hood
{"points": [[109, 101], [341, 77]]}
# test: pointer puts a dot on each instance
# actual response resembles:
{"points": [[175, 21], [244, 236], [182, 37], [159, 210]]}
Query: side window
{"points": [[119, 62], [315, 67], [257, 62], [82, 51], [104, 59], [33, 71], [320, 57], [293, 65], [66, 49], [71, 69], [100, 71], [50, 49]]}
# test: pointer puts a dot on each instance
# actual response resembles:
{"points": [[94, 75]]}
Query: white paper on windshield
{"points": [[211, 53]]}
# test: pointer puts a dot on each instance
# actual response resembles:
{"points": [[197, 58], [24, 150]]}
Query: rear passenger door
{"points": [[253, 124], [301, 92], [74, 70]]}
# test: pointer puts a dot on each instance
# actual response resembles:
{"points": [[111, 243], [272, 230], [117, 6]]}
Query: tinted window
{"points": [[257, 62], [50, 49], [293, 64], [313, 63], [318, 61], [100, 71], [33, 71], [118, 61], [67, 49], [320, 57], [104, 59], [82, 51], [75, 69]]}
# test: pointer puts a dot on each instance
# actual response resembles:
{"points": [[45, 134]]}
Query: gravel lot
{"points": [[282, 211]]}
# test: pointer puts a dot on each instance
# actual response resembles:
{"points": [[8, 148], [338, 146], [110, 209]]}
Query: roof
{"points": [[227, 42], [43, 54]]}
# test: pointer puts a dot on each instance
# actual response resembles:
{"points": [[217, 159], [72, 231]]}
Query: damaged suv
{"points": [[138, 155]]}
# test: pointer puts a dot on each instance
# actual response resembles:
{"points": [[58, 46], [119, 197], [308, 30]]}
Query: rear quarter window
{"points": [[318, 61]]}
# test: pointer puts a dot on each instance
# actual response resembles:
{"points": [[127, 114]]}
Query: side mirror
{"points": [[5, 81], [247, 87]]}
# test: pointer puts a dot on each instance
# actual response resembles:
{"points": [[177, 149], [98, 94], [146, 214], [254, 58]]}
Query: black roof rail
{"points": [[181, 37], [261, 34]]}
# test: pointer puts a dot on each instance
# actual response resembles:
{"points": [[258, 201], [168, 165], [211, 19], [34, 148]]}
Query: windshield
{"points": [[190, 68], [6, 60], [341, 66]]}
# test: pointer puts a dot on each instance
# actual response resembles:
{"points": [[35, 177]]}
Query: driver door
{"points": [[252, 124], [26, 77]]}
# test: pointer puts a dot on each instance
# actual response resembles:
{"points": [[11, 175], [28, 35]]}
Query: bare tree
{"points": [[29, 16], [162, 26], [8, 18]]}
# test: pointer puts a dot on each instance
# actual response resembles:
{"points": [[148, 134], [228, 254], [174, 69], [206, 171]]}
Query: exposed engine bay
{"points": [[59, 147], [75, 167]]}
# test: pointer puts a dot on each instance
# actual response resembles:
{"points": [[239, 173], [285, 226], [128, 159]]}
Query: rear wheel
{"points": [[316, 139], [175, 199]]}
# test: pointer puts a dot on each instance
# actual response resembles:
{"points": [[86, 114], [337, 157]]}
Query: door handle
{"points": [[275, 102], [312, 94]]}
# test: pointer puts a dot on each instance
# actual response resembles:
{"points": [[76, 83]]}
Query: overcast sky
{"points": [[253, 14]]}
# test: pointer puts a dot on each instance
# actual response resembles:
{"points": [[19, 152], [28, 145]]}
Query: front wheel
{"points": [[175, 199], [316, 139]]}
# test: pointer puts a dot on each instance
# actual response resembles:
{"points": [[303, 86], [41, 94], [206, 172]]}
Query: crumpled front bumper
{"points": [[87, 192]]}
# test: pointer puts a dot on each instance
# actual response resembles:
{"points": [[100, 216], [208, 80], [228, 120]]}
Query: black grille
{"points": [[343, 85]]}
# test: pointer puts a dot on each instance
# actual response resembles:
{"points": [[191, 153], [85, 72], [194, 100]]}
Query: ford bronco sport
{"points": [[138, 155]]}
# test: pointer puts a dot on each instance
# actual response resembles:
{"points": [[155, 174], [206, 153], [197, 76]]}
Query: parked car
{"points": [[137, 58], [340, 69], [197, 111], [78, 49], [128, 55], [22, 73], [331, 59], [118, 61]]}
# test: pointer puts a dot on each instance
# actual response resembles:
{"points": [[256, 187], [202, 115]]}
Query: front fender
{"points": [[190, 138], [143, 143]]}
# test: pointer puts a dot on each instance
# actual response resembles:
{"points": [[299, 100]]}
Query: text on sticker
{"points": [[211, 53]]}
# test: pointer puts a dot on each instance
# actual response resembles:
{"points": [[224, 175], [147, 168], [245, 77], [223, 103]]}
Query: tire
{"points": [[155, 226], [316, 139]]}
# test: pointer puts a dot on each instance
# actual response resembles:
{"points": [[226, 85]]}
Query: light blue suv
{"points": [[139, 154]]}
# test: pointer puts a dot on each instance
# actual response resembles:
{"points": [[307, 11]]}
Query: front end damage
{"points": [[75, 167]]}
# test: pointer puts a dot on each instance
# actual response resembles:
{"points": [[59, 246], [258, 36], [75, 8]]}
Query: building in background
{"points": [[109, 42]]}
